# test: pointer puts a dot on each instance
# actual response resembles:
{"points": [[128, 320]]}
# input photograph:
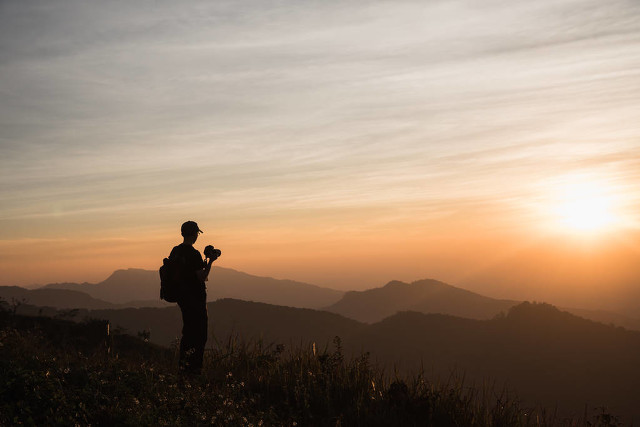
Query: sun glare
{"points": [[586, 214], [585, 206]]}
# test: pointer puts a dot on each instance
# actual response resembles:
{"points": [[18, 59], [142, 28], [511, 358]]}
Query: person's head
{"points": [[190, 232]]}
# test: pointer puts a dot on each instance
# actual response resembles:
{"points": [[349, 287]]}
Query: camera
{"points": [[211, 252]]}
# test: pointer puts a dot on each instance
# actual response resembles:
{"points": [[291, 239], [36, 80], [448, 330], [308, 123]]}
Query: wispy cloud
{"points": [[258, 104]]}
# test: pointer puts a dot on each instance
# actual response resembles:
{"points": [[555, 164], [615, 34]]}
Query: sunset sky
{"points": [[494, 145]]}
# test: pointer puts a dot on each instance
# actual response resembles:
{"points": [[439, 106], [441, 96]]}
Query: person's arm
{"points": [[204, 273]]}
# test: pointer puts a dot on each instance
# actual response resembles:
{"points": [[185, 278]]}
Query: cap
{"points": [[190, 228]]}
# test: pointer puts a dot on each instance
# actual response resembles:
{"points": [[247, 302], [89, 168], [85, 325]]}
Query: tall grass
{"points": [[54, 372]]}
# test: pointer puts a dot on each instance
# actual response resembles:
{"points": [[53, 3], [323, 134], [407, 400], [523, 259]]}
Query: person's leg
{"points": [[200, 336], [189, 340]]}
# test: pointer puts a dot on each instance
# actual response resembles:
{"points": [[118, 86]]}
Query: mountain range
{"points": [[432, 296], [549, 357], [140, 288], [424, 296], [546, 356], [51, 297]]}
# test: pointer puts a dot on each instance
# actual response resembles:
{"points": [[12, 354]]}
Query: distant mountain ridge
{"points": [[433, 296], [547, 356], [57, 298], [143, 286], [424, 296], [140, 288]]}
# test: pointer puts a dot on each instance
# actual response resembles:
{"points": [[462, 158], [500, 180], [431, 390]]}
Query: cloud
{"points": [[248, 106]]}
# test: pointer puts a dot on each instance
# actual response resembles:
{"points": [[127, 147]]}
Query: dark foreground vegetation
{"points": [[57, 372]]}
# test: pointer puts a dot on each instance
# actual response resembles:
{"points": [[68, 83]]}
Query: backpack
{"points": [[170, 280]]}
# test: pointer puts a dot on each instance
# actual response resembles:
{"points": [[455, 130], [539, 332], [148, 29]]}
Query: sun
{"points": [[585, 205], [586, 212]]}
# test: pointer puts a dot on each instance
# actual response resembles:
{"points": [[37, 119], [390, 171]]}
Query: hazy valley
{"points": [[547, 356], [140, 288]]}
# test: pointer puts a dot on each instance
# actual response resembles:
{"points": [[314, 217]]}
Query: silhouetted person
{"points": [[193, 297]]}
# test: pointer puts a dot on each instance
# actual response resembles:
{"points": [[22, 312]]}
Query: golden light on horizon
{"points": [[335, 145], [586, 205]]}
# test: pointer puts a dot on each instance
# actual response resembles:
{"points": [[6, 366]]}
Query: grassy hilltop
{"points": [[57, 372]]}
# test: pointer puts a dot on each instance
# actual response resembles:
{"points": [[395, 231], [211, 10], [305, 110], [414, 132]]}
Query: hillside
{"points": [[228, 317], [547, 356], [607, 317], [141, 288], [57, 298], [56, 372], [228, 283], [424, 296]]}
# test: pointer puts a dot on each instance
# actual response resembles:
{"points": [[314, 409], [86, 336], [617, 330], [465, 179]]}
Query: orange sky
{"points": [[496, 148], [598, 271]]}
